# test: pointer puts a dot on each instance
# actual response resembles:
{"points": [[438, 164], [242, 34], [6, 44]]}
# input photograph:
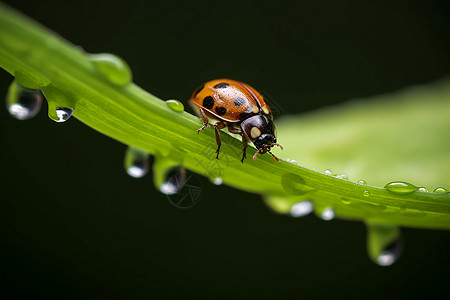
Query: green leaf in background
{"points": [[399, 136]]}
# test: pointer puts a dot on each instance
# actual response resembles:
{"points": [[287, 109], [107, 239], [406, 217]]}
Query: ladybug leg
{"points": [[245, 142], [204, 119], [237, 130], [217, 126]]}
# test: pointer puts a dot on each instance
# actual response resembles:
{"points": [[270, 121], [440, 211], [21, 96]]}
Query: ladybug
{"points": [[238, 106]]}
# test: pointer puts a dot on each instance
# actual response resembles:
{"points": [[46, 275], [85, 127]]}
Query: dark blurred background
{"points": [[73, 224]]}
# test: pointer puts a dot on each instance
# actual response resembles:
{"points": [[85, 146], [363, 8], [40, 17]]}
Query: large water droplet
{"points": [[63, 114], [440, 190], [23, 103], [174, 183], [384, 243], [423, 189], [112, 67], [175, 105], [301, 209], [327, 214], [391, 254], [401, 187], [182, 189], [136, 162]]}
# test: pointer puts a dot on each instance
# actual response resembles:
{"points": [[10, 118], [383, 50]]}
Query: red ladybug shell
{"points": [[229, 100]]}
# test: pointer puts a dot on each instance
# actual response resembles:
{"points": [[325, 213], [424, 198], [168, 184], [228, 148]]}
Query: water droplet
{"points": [[136, 162], [366, 193], [294, 184], [183, 189], [401, 187], [391, 254], [386, 258], [440, 190], [175, 105], [112, 67], [384, 243], [291, 161], [217, 181], [63, 114], [174, 183], [301, 209], [23, 103], [327, 214], [362, 181], [342, 176], [168, 188], [423, 189], [346, 201], [328, 172]]}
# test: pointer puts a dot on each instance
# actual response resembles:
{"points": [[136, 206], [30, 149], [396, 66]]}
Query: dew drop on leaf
{"points": [[217, 181], [423, 189], [362, 181], [391, 254], [384, 243], [401, 187], [175, 105], [366, 193], [328, 172], [174, 182], [440, 190], [112, 67], [136, 162], [301, 208], [327, 214], [23, 103], [291, 161], [183, 189], [346, 201], [63, 113]]}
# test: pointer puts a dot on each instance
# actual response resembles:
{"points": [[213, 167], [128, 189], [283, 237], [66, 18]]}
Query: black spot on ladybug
{"points": [[239, 101], [221, 110], [221, 85], [208, 102], [198, 90]]}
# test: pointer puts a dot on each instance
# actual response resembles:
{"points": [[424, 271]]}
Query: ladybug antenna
{"points": [[254, 156], [275, 144], [276, 158]]}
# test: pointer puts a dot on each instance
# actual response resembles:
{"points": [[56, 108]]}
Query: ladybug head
{"points": [[260, 130], [264, 142]]}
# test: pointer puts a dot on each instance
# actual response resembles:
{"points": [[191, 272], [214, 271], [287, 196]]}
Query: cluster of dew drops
{"points": [[24, 103], [392, 250]]}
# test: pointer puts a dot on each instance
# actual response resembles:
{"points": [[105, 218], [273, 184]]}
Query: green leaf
{"points": [[378, 141]]}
